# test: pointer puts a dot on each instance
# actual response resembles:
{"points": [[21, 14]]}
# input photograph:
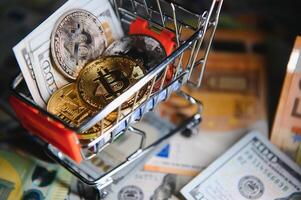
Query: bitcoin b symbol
{"points": [[110, 83]]}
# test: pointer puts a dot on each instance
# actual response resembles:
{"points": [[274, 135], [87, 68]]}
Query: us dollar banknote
{"points": [[286, 133], [33, 52], [149, 185], [252, 169]]}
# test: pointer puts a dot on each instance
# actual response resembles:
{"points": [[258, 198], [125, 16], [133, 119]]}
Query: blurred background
{"points": [[254, 36]]}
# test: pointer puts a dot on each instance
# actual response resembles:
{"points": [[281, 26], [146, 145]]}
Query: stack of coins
{"points": [[98, 73], [98, 84], [65, 104]]}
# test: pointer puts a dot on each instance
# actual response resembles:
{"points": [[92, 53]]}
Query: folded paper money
{"points": [[251, 169]]}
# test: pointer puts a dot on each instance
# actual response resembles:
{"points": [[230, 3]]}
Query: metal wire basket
{"points": [[193, 36]]}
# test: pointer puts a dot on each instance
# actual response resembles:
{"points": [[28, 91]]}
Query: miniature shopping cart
{"points": [[191, 32]]}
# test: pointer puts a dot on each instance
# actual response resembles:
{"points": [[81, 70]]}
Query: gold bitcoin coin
{"points": [[104, 79], [65, 104]]}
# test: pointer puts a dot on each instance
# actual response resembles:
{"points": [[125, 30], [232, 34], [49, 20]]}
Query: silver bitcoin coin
{"points": [[78, 37], [140, 47]]}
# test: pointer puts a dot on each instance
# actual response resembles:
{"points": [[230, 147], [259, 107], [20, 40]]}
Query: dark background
{"points": [[277, 18]]}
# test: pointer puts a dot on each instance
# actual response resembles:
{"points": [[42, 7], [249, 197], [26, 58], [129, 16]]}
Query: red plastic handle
{"points": [[165, 37], [50, 131]]}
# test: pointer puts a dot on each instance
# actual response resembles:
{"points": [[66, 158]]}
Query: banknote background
{"points": [[27, 178], [251, 169], [18, 18]]}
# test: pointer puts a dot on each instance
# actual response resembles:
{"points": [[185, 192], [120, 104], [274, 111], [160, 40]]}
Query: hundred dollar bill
{"points": [[286, 133], [251, 169], [33, 52], [22, 177], [149, 185]]}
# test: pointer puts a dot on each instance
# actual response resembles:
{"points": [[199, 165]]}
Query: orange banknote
{"points": [[286, 133]]}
